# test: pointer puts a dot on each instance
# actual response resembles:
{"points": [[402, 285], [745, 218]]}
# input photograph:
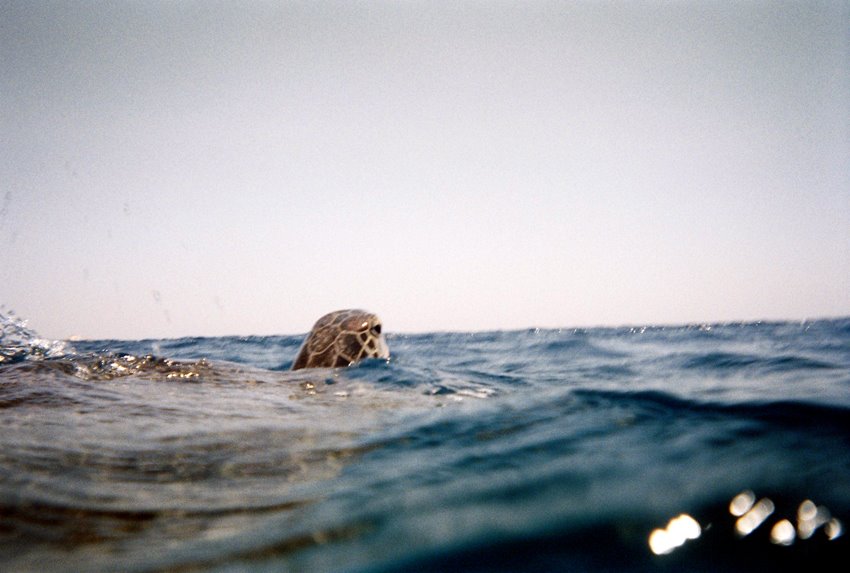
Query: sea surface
{"points": [[714, 447]]}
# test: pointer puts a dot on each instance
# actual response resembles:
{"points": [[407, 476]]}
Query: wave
{"points": [[787, 414], [725, 361]]}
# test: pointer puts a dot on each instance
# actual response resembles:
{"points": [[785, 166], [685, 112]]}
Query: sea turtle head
{"points": [[342, 338]]}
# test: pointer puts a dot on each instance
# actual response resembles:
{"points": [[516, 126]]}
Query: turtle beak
{"points": [[383, 349]]}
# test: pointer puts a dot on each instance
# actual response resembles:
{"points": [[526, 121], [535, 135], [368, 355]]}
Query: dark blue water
{"points": [[535, 450]]}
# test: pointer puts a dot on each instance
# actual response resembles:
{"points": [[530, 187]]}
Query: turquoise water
{"points": [[533, 450]]}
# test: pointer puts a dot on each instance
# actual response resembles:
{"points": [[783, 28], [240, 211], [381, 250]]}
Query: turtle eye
{"points": [[376, 330]]}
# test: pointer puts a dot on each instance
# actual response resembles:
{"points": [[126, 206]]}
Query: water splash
{"points": [[18, 342]]}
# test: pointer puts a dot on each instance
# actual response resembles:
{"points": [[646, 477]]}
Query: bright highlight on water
{"points": [[694, 447], [679, 530]]}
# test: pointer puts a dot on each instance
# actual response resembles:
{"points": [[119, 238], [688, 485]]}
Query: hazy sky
{"points": [[209, 168]]}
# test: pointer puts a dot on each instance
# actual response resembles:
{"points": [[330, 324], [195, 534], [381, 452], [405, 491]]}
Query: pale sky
{"points": [[212, 168]]}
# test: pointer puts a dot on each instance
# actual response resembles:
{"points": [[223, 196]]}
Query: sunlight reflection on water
{"points": [[679, 530], [753, 518], [751, 515]]}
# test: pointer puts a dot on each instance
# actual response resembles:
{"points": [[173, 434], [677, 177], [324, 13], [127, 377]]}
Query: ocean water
{"points": [[719, 447]]}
